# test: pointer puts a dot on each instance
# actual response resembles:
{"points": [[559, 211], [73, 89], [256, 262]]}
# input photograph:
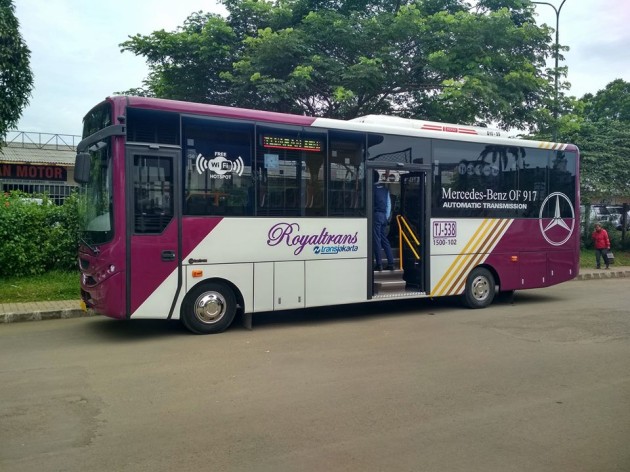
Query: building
{"points": [[38, 163]]}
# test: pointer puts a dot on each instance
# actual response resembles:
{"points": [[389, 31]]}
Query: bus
{"points": [[198, 212]]}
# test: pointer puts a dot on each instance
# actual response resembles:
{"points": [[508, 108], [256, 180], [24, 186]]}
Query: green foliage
{"points": [[604, 139], [181, 62], [605, 159], [612, 103], [36, 237], [16, 78], [587, 258], [599, 125], [53, 285], [452, 60]]}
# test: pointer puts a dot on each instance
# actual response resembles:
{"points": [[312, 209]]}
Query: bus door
{"points": [[412, 222], [153, 233], [407, 231]]}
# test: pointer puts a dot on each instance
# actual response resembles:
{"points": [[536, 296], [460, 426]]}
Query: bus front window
{"points": [[95, 205]]}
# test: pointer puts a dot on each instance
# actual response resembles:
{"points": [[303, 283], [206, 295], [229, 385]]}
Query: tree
{"points": [[431, 59], [600, 126], [16, 78], [612, 103], [187, 64]]}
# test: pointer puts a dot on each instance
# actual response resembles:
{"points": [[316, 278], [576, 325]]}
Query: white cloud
{"points": [[75, 53], [598, 36]]}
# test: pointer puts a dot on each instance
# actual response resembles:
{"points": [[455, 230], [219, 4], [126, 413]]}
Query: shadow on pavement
{"points": [[138, 330], [134, 330]]}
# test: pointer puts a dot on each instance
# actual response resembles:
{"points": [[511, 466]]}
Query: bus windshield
{"points": [[95, 206]]}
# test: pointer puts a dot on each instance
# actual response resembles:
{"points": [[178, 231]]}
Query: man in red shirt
{"points": [[602, 245]]}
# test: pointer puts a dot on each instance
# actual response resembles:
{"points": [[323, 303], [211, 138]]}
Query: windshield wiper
{"points": [[94, 249]]}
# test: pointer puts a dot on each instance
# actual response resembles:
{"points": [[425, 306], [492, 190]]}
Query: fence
{"points": [[33, 140]]}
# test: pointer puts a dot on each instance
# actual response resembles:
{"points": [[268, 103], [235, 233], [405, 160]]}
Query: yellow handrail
{"points": [[401, 221]]}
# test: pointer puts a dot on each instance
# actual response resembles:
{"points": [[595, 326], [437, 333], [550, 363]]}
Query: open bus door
{"points": [[407, 231], [412, 222]]}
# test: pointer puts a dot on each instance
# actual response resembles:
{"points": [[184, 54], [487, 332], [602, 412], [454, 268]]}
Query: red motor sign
{"points": [[32, 172]]}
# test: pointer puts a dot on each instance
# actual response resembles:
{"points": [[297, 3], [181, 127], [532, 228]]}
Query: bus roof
{"points": [[399, 122], [373, 123], [216, 110]]}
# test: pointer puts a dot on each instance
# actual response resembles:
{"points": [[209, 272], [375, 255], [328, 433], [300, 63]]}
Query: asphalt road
{"points": [[539, 385]]}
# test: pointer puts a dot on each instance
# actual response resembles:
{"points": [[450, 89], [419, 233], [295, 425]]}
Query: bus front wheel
{"points": [[209, 308], [480, 288]]}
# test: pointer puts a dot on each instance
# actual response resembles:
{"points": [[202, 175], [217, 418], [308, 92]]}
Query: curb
{"points": [[603, 274], [44, 315], [66, 313]]}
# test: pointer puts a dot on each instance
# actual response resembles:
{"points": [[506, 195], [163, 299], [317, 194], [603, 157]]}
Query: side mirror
{"points": [[82, 165]]}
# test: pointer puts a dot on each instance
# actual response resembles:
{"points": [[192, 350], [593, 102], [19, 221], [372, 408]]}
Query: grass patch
{"points": [[55, 285], [58, 285], [587, 258]]}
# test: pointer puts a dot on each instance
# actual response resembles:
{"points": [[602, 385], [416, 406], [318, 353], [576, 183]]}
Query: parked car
{"points": [[614, 210], [611, 214], [618, 219], [597, 214]]}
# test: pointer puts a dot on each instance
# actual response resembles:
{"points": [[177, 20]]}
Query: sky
{"points": [[76, 58]]}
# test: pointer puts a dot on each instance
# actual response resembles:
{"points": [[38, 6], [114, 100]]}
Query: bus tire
{"points": [[209, 308], [480, 288]]}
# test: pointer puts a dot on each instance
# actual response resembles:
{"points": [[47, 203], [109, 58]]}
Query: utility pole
{"points": [[557, 53]]}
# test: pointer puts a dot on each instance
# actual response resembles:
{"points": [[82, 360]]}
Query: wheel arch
{"points": [[240, 300], [493, 271]]}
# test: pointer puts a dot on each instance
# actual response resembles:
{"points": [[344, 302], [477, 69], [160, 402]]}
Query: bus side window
{"points": [[217, 172], [346, 182], [290, 169]]}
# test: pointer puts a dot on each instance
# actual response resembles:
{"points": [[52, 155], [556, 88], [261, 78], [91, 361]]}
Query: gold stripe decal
{"points": [[460, 260], [476, 251], [553, 146]]}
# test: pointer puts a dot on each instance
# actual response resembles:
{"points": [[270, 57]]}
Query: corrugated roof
{"points": [[40, 155]]}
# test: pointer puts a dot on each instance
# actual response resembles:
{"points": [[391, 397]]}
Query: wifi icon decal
{"points": [[201, 164], [219, 165], [237, 166]]}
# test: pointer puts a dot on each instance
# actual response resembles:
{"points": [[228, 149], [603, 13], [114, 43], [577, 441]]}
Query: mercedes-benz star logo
{"points": [[559, 228]]}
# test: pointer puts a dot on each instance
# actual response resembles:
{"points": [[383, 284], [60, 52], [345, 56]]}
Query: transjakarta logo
{"points": [[219, 165], [323, 243]]}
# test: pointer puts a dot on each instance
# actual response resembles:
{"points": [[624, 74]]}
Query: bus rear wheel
{"points": [[209, 308], [480, 288]]}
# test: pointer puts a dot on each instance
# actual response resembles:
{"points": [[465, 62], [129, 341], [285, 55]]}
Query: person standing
{"points": [[382, 212], [602, 245]]}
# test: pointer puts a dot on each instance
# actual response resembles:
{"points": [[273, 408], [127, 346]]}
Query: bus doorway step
{"points": [[402, 294], [389, 281]]}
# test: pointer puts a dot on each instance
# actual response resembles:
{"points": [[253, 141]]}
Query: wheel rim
{"points": [[480, 288], [210, 307]]}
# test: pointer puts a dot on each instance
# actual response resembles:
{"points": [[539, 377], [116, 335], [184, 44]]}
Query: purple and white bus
{"points": [[197, 212]]}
